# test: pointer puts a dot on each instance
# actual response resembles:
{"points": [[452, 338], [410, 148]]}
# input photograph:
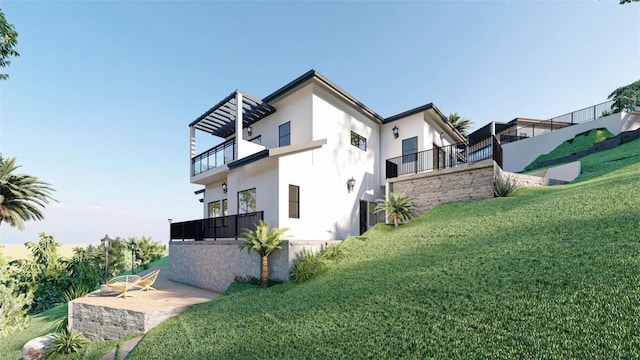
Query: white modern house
{"points": [[309, 156]]}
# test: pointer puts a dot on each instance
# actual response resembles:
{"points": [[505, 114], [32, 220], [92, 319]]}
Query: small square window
{"points": [[358, 141]]}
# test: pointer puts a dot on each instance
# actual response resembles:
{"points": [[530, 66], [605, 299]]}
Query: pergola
{"points": [[220, 120]]}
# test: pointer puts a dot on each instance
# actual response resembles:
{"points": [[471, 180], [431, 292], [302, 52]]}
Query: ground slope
{"points": [[547, 273]]}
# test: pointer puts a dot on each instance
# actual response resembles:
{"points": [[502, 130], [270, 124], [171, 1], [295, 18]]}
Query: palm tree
{"points": [[462, 124], [21, 195], [398, 207], [264, 242]]}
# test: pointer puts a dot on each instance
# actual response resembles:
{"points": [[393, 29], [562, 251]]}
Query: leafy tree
{"points": [[627, 1], [264, 242], [8, 41], [118, 259], [13, 303], [462, 124], [398, 207], [626, 97], [21, 195], [48, 272], [147, 250]]}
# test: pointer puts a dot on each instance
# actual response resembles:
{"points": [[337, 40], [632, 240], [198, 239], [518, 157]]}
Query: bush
{"points": [[503, 185], [308, 266], [334, 252], [66, 342]]}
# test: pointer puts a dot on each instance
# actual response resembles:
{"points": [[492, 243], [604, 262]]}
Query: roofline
{"points": [[314, 75], [453, 131]]}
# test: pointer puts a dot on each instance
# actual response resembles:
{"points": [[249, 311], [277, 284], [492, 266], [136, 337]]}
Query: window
{"points": [[214, 209], [257, 140], [225, 207], [284, 132], [294, 201], [358, 141], [410, 149], [247, 201]]}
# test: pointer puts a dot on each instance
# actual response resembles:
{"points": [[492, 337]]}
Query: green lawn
{"points": [[546, 273], [580, 142]]}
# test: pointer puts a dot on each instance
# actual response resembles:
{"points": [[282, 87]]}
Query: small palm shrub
{"points": [[67, 342], [398, 207], [334, 252], [503, 185], [309, 265], [264, 242]]}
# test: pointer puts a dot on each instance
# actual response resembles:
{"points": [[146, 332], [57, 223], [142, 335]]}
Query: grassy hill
{"points": [[546, 273], [582, 141]]}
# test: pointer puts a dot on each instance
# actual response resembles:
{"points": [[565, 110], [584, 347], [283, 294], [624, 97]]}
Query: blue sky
{"points": [[99, 101]]}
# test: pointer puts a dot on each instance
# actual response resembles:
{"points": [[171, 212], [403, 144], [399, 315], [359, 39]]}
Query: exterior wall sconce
{"points": [[395, 132], [224, 187], [351, 183], [249, 130]]}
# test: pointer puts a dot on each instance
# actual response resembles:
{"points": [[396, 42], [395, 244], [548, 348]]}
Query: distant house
{"points": [[309, 157]]}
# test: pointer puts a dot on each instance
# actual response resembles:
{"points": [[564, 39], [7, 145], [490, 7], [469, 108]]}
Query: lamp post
{"points": [[170, 220], [106, 245], [132, 244]]}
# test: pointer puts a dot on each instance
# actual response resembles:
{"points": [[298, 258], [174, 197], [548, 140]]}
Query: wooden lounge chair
{"points": [[123, 283], [147, 280]]}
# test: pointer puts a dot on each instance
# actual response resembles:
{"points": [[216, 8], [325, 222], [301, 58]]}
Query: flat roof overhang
{"points": [[220, 120]]}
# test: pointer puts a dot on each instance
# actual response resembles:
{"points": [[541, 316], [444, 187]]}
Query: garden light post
{"points": [[132, 244], [170, 220], [106, 245]]}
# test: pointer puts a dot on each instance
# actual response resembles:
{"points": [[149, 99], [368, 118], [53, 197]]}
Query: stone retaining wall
{"points": [[214, 265], [463, 183], [99, 322], [429, 189]]}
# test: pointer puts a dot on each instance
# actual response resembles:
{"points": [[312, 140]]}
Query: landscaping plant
{"points": [[264, 242], [398, 207], [67, 342], [309, 265], [503, 185]]}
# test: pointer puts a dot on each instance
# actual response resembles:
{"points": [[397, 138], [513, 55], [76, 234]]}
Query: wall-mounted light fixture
{"points": [[395, 132], [249, 130], [351, 183], [224, 187]]}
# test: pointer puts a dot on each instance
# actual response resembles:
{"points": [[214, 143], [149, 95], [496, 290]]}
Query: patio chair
{"points": [[123, 283], [147, 280]]}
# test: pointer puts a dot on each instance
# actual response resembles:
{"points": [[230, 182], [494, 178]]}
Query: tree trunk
{"points": [[264, 279], [395, 221]]}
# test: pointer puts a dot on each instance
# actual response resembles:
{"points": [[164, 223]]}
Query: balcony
{"points": [[223, 227], [443, 157], [217, 156]]}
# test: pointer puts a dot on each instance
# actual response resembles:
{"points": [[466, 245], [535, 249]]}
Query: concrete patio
{"points": [[106, 318]]}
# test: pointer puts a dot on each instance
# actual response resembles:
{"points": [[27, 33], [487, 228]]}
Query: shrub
{"points": [[503, 185], [308, 266], [334, 252], [399, 208], [66, 342]]}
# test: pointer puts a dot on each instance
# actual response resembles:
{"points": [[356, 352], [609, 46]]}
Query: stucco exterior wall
{"points": [[214, 265], [518, 154]]}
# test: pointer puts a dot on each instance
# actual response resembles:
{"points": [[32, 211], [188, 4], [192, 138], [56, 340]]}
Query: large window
{"points": [[294, 201], [410, 149], [214, 209], [225, 207], [285, 134], [247, 201], [358, 141]]}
